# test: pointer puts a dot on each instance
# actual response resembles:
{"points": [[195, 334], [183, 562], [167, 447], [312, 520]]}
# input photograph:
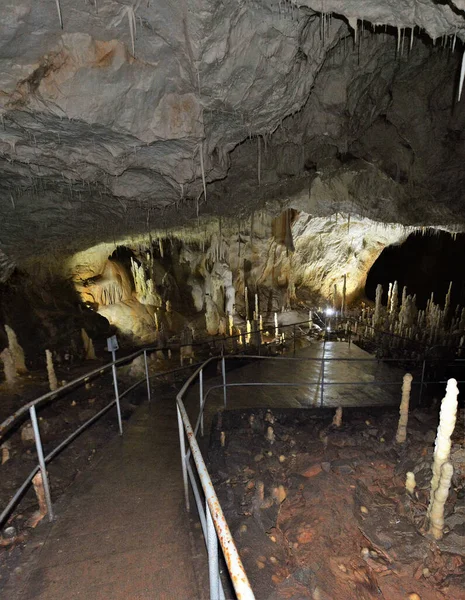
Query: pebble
{"points": [[364, 510], [243, 528], [282, 458], [273, 560], [413, 596]]}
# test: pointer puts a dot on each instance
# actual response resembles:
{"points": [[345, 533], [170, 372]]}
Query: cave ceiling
{"points": [[123, 117]]}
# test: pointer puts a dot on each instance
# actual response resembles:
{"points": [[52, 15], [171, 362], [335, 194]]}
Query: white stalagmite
{"points": [[462, 76], [379, 295], [8, 366], [88, 345], [276, 330], [410, 483], [401, 435], [394, 299], [447, 418], [52, 378], [337, 419], [436, 515], [16, 351]]}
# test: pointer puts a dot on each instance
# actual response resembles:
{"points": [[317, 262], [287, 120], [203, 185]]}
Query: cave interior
{"points": [[208, 177]]}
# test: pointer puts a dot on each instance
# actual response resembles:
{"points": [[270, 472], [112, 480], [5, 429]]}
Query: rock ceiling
{"points": [[123, 117]]}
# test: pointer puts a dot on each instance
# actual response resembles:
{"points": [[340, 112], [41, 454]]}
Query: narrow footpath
{"points": [[121, 531]]}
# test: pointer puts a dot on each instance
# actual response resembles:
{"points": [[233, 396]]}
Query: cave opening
{"points": [[426, 262]]}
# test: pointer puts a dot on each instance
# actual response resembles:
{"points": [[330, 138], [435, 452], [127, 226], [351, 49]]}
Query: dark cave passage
{"points": [[424, 263]]}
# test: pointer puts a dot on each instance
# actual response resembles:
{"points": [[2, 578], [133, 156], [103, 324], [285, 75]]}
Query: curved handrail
{"points": [[8, 422]]}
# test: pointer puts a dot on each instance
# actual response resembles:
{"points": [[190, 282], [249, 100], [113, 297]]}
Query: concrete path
{"points": [[123, 532]]}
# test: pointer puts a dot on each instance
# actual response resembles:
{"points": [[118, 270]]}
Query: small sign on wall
{"points": [[112, 344]]}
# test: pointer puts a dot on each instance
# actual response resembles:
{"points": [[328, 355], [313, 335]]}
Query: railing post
{"points": [[323, 373], [223, 371], [201, 400], [40, 456], [213, 566], [147, 375], [422, 380], [115, 385], [182, 444]]}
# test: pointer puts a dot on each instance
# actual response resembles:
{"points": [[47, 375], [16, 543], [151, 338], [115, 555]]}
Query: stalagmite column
{"points": [[52, 378], [401, 435], [8, 366], [88, 345], [276, 330], [379, 296], [436, 515], [394, 299], [447, 418], [337, 419], [410, 483], [16, 351]]}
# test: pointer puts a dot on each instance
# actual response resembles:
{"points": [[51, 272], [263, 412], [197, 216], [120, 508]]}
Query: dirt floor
{"points": [[321, 512]]}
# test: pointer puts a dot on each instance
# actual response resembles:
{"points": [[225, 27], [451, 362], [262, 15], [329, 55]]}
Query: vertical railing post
{"points": [[115, 385], [182, 444], [213, 566], [201, 400], [40, 456], [147, 375], [323, 372], [422, 380], [223, 371]]}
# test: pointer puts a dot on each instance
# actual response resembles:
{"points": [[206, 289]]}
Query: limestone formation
{"points": [[88, 345], [401, 434], [9, 369], [52, 378], [447, 418], [16, 351], [436, 513]]}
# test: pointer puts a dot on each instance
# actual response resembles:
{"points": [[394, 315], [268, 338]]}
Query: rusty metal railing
{"points": [[214, 525]]}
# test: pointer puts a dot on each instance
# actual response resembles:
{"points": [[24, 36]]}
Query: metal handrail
{"points": [[30, 408], [212, 515]]}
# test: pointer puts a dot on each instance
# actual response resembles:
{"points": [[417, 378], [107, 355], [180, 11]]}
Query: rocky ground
{"points": [[322, 512]]}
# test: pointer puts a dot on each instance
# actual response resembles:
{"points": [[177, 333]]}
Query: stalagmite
{"points": [[401, 435], [337, 419], [447, 418], [38, 484], [16, 351], [8, 367], [462, 76], [276, 330], [88, 345], [246, 298], [270, 434], [410, 483], [52, 378], [436, 514], [379, 296]]}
